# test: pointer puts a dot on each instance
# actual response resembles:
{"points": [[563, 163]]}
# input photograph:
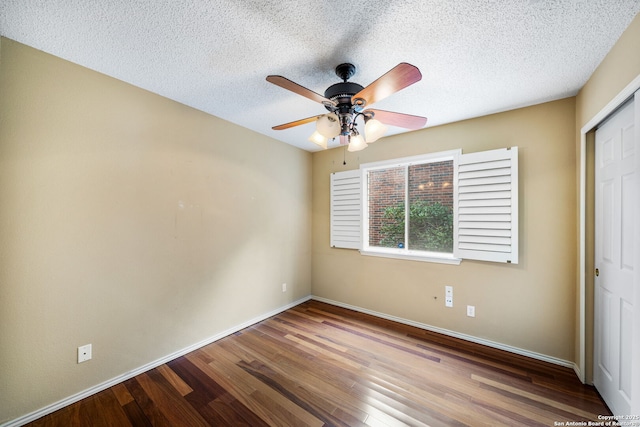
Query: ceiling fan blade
{"points": [[406, 121], [297, 123], [285, 83], [394, 80]]}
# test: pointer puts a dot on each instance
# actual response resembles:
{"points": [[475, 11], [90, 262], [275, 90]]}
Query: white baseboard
{"points": [[581, 375], [489, 343], [120, 378]]}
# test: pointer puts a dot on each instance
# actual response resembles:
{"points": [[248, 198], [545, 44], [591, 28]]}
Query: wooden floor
{"points": [[317, 364]]}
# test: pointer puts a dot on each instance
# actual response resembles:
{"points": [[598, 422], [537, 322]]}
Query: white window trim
{"points": [[407, 254], [412, 255]]}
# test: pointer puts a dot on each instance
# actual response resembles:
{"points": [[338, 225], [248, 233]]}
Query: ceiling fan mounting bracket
{"points": [[345, 71]]}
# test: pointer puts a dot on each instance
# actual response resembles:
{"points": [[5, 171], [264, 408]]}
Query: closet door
{"points": [[616, 269]]}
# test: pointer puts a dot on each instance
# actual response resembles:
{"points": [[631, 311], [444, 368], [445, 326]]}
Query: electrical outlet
{"points": [[471, 311], [84, 353], [284, 287], [448, 296]]}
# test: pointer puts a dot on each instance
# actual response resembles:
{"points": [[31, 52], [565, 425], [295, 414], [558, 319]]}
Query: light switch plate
{"points": [[448, 296]]}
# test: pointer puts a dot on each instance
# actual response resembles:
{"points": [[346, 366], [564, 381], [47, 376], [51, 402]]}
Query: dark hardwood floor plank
{"points": [[537, 398], [381, 408], [122, 394], [206, 388], [147, 406], [443, 405], [395, 407], [135, 415], [290, 417], [318, 376], [67, 416], [516, 401], [509, 418], [225, 369], [109, 411], [170, 402], [175, 380], [322, 365], [227, 416], [349, 419]]}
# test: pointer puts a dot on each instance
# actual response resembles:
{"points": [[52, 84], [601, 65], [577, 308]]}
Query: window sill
{"points": [[429, 257]]}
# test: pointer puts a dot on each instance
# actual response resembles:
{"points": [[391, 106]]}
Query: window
{"points": [[424, 230], [461, 206]]}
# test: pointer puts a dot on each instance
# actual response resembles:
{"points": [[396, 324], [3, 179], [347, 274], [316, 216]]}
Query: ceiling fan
{"points": [[346, 102]]}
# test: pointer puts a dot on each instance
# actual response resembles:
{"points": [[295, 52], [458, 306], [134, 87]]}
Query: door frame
{"points": [[616, 102]]}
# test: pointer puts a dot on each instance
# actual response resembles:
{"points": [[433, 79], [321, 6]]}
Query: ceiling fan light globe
{"points": [[318, 139], [357, 143], [373, 130], [328, 125]]}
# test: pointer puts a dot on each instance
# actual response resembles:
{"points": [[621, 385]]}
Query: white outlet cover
{"points": [[471, 311], [84, 353]]}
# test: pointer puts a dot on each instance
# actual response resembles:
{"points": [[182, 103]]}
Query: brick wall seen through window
{"points": [[428, 182]]}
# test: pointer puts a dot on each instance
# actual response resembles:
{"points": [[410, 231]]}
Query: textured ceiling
{"points": [[477, 56]]}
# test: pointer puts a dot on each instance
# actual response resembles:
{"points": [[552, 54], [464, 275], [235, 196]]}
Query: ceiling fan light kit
{"points": [[356, 143], [373, 129], [346, 102], [329, 125], [318, 139]]}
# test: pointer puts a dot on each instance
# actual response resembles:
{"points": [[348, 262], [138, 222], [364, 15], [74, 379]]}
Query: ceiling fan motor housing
{"points": [[341, 93]]}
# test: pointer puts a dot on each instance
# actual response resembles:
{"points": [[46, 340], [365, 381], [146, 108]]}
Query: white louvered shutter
{"points": [[345, 209], [486, 223]]}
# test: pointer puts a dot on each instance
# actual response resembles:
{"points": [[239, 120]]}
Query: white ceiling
{"points": [[477, 56]]}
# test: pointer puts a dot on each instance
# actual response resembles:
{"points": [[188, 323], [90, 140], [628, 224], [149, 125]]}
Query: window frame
{"points": [[405, 162]]}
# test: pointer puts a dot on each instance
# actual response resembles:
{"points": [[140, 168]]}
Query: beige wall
{"points": [[530, 305], [133, 223], [619, 68]]}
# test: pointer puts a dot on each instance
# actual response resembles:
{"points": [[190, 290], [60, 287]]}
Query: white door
{"points": [[616, 193]]}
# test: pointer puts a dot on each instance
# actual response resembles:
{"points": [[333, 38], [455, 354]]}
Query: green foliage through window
{"points": [[430, 227]]}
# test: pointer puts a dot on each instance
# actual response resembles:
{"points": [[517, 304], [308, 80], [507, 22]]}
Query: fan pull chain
{"points": [[344, 154]]}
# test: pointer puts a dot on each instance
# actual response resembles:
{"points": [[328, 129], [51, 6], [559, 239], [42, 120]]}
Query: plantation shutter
{"points": [[486, 206], [345, 209]]}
